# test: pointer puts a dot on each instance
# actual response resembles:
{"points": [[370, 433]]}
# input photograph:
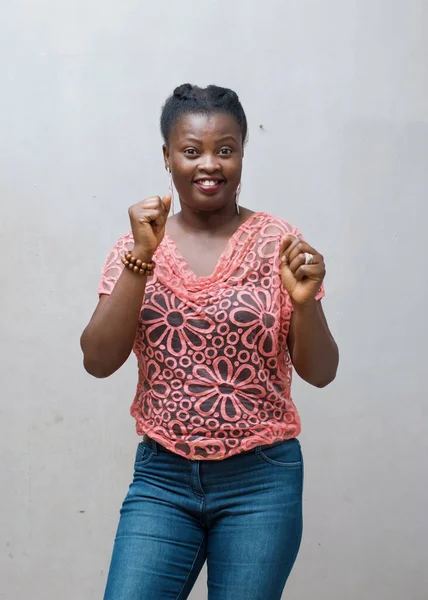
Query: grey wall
{"points": [[341, 90]]}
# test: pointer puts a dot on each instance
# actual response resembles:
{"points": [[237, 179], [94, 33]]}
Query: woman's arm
{"points": [[108, 339], [313, 351]]}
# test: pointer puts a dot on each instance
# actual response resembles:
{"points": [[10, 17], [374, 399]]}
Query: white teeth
{"points": [[208, 182]]}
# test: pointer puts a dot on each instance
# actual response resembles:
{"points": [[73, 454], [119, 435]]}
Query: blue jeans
{"points": [[243, 515]]}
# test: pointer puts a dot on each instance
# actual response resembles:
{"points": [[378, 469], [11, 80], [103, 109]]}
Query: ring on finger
{"points": [[309, 258]]}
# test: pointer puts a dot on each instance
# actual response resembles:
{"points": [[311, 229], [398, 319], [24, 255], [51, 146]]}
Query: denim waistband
{"points": [[157, 447]]}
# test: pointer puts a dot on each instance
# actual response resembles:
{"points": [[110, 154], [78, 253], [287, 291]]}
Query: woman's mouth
{"points": [[209, 186]]}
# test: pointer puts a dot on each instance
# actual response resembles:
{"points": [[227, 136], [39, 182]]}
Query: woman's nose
{"points": [[209, 163]]}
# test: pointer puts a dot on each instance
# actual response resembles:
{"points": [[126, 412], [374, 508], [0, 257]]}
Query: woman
{"points": [[218, 303]]}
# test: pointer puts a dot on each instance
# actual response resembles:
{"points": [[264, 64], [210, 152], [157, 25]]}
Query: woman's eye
{"points": [[225, 151], [190, 151]]}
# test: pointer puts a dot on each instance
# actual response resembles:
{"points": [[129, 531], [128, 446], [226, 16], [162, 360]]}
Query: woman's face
{"points": [[204, 153]]}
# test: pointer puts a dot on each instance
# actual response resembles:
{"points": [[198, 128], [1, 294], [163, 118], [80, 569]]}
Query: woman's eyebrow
{"points": [[228, 137], [190, 138], [224, 138]]}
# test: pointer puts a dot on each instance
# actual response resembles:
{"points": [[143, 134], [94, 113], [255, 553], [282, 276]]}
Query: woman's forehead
{"points": [[201, 125]]}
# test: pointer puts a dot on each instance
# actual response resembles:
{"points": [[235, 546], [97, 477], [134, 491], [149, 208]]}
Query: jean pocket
{"points": [[288, 454], [144, 455]]}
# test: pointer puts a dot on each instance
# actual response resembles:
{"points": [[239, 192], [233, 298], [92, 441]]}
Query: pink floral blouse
{"points": [[213, 364]]}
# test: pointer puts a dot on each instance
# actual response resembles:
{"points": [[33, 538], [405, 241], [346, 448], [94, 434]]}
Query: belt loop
{"points": [[154, 446], [151, 442], [257, 449]]}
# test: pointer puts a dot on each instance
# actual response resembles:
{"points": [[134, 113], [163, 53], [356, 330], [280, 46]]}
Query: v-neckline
{"points": [[187, 273]]}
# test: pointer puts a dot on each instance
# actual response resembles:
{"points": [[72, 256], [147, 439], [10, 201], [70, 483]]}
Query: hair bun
{"points": [[184, 92]]}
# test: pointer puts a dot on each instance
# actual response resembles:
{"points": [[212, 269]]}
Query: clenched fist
{"points": [[302, 270], [148, 220]]}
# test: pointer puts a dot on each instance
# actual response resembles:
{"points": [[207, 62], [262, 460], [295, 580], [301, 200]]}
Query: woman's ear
{"points": [[165, 151]]}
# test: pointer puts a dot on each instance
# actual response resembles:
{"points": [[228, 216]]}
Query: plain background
{"points": [[340, 88]]}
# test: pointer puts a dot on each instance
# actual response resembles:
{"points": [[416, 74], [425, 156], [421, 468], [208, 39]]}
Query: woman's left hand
{"points": [[302, 270]]}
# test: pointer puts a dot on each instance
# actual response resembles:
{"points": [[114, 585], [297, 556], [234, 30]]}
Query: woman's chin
{"points": [[208, 203]]}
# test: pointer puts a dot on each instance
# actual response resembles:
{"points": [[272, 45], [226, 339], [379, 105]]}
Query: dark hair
{"points": [[191, 99]]}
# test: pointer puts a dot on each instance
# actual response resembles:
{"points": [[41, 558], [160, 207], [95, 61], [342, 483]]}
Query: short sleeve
{"points": [[113, 265], [321, 293]]}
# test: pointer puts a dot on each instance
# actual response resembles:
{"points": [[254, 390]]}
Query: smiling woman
{"points": [[218, 303], [206, 169], [203, 148]]}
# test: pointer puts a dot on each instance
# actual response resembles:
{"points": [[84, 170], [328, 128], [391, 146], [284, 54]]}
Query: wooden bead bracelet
{"points": [[138, 266]]}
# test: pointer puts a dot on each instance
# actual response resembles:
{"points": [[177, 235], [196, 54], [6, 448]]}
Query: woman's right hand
{"points": [[148, 220]]}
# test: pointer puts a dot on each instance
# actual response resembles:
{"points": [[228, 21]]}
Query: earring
{"points": [[238, 193], [171, 190]]}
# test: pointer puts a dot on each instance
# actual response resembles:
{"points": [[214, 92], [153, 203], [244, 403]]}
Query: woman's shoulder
{"points": [[274, 225]]}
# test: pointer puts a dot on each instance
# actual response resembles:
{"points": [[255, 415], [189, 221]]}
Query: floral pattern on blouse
{"points": [[214, 368]]}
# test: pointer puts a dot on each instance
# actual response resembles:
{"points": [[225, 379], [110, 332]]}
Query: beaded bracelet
{"points": [[138, 266]]}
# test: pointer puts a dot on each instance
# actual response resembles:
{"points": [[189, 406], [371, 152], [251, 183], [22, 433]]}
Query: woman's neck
{"points": [[223, 221]]}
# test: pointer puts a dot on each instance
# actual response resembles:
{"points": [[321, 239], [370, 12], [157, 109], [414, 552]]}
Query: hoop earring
{"points": [[238, 193], [171, 190]]}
